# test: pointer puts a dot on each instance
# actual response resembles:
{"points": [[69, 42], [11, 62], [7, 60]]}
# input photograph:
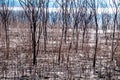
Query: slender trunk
{"points": [[61, 42], [96, 42], [84, 31], [106, 38], [44, 37], [34, 45], [38, 44], [113, 37], [65, 32], [59, 55], [34, 38], [7, 41], [45, 28], [77, 36]]}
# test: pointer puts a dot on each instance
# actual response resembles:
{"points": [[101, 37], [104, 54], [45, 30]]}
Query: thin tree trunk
{"points": [[84, 31], [59, 55], [113, 37], [7, 41], [96, 42]]}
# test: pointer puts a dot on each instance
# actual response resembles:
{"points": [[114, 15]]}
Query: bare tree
{"points": [[64, 7], [115, 23], [32, 10], [94, 5], [5, 15], [105, 25], [45, 19]]}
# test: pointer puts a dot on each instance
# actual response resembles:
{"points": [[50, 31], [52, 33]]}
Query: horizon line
{"points": [[99, 10]]}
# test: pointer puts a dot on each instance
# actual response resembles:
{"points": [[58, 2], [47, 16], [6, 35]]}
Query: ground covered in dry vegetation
{"points": [[72, 66]]}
